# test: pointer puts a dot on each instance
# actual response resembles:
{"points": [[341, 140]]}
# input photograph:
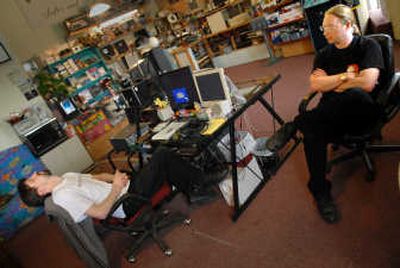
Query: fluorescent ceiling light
{"points": [[119, 19], [98, 9]]}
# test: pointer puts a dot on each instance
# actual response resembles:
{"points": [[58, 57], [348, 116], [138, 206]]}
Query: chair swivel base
{"points": [[159, 221], [370, 148]]}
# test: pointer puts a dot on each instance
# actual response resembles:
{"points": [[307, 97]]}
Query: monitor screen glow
{"points": [[68, 106], [180, 88]]}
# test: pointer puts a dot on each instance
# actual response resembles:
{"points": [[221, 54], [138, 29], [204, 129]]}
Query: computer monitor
{"points": [[180, 88], [213, 89], [68, 109]]}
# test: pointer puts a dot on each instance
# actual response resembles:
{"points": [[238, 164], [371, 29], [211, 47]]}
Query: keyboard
{"points": [[167, 132]]}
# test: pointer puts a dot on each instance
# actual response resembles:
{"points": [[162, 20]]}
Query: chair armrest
{"points": [[305, 101], [384, 95], [124, 197]]}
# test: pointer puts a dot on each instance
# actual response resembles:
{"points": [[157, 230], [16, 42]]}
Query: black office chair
{"points": [[388, 98], [147, 221]]}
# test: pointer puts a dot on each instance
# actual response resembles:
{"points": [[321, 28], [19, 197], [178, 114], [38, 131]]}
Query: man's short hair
{"points": [[30, 195]]}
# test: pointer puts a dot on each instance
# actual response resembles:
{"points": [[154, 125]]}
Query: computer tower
{"points": [[161, 60], [138, 94], [315, 16]]}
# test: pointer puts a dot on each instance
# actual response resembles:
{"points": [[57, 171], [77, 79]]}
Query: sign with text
{"points": [[39, 13]]}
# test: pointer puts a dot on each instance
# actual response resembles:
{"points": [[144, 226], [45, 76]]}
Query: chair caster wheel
{"points": [[131, 259], [187, 221], [168, 252]]}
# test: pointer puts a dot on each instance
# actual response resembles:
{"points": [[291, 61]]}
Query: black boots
{"points": [[322, 195], [327, 208], [281, 137]]}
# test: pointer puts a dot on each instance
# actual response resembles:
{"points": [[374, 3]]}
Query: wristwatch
{"points": [[343, 77]]}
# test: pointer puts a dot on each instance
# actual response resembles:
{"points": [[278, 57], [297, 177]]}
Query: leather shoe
{"points": [[281, 137], [327, 209]]}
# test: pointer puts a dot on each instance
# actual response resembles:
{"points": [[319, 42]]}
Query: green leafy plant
{"points": [[50, 86]]}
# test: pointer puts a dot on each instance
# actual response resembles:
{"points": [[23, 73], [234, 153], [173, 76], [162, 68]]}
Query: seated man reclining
{"points": [[85, 195]]}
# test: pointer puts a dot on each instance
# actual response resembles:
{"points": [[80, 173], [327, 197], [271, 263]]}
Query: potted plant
{"points": [[50, 86]]}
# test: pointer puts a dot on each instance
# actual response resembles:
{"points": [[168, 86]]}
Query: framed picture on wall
{"points": [[4, 56]]}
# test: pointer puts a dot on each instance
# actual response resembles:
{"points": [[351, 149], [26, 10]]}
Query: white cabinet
{"points": [[69, 156]]}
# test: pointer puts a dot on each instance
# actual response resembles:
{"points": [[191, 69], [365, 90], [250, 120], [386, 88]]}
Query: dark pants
{"points": [[164, 166], [350, 112]]}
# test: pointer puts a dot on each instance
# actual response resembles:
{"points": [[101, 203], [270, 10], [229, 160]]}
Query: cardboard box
{"points": [[244, 145], [216, 22], [296, 48], [249, 177]]}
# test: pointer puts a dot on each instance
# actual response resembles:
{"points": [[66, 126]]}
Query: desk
{"points": [[255, 95]]}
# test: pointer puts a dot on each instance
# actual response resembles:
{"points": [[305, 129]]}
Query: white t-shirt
{"points": [[78, 192]]}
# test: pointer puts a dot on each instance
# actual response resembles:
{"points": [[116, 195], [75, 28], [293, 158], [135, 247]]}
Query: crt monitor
{"points": [[68, 109], [213, 90], [180, 88], [211, 85]]}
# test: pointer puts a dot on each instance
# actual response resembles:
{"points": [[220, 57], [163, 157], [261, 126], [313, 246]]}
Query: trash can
{"points": [[265, 158]]}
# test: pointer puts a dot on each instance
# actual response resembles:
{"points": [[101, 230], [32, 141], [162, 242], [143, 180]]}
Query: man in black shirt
{"points": [[346, 72]]}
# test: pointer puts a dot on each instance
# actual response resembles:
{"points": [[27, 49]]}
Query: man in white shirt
{"points": [[85, 195]]}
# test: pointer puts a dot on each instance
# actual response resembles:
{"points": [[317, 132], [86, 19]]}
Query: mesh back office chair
{"points": [[147, 221], [388, 98]]}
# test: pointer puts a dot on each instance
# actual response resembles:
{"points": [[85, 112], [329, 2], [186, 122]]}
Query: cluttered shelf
{"points": [[217, 9], [284, 23], [226, 30]]}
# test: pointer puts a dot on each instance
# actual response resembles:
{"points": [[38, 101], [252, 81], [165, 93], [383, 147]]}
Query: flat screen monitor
{"points": [[212, 87], [180, 88], [68, 109]]}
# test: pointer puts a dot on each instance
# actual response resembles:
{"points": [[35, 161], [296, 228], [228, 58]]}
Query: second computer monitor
{"points": [[180, 88], [213, 89]]}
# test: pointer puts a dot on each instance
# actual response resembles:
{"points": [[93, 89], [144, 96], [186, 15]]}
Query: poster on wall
{"points": [[40, 13]]}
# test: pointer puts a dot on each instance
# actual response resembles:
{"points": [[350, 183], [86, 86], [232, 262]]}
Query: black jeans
{"points": [[164, 166], [337, 114]]}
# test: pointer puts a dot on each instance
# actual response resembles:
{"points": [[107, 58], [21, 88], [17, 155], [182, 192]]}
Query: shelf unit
{"points": [[287, 28], [83, 71]]}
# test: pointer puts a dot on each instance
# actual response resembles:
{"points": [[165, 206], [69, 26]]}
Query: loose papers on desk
{"points": [[213, 125]]}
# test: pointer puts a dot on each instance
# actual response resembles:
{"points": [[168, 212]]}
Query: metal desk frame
{"points": [[257, 96]]}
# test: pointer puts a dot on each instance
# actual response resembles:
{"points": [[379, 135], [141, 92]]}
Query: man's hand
{"points": [[101, 210], [120, 180]]}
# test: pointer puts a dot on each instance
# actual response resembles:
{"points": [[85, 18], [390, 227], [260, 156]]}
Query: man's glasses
{"points": [[327, 28]]}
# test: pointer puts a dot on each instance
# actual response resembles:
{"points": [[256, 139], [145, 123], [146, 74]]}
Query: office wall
{"points": [[393, 10], [31, 31], [24, 38], [11, 99]]}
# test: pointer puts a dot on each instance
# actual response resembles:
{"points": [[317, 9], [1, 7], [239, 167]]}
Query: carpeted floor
{"points": [[281, 228]]}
